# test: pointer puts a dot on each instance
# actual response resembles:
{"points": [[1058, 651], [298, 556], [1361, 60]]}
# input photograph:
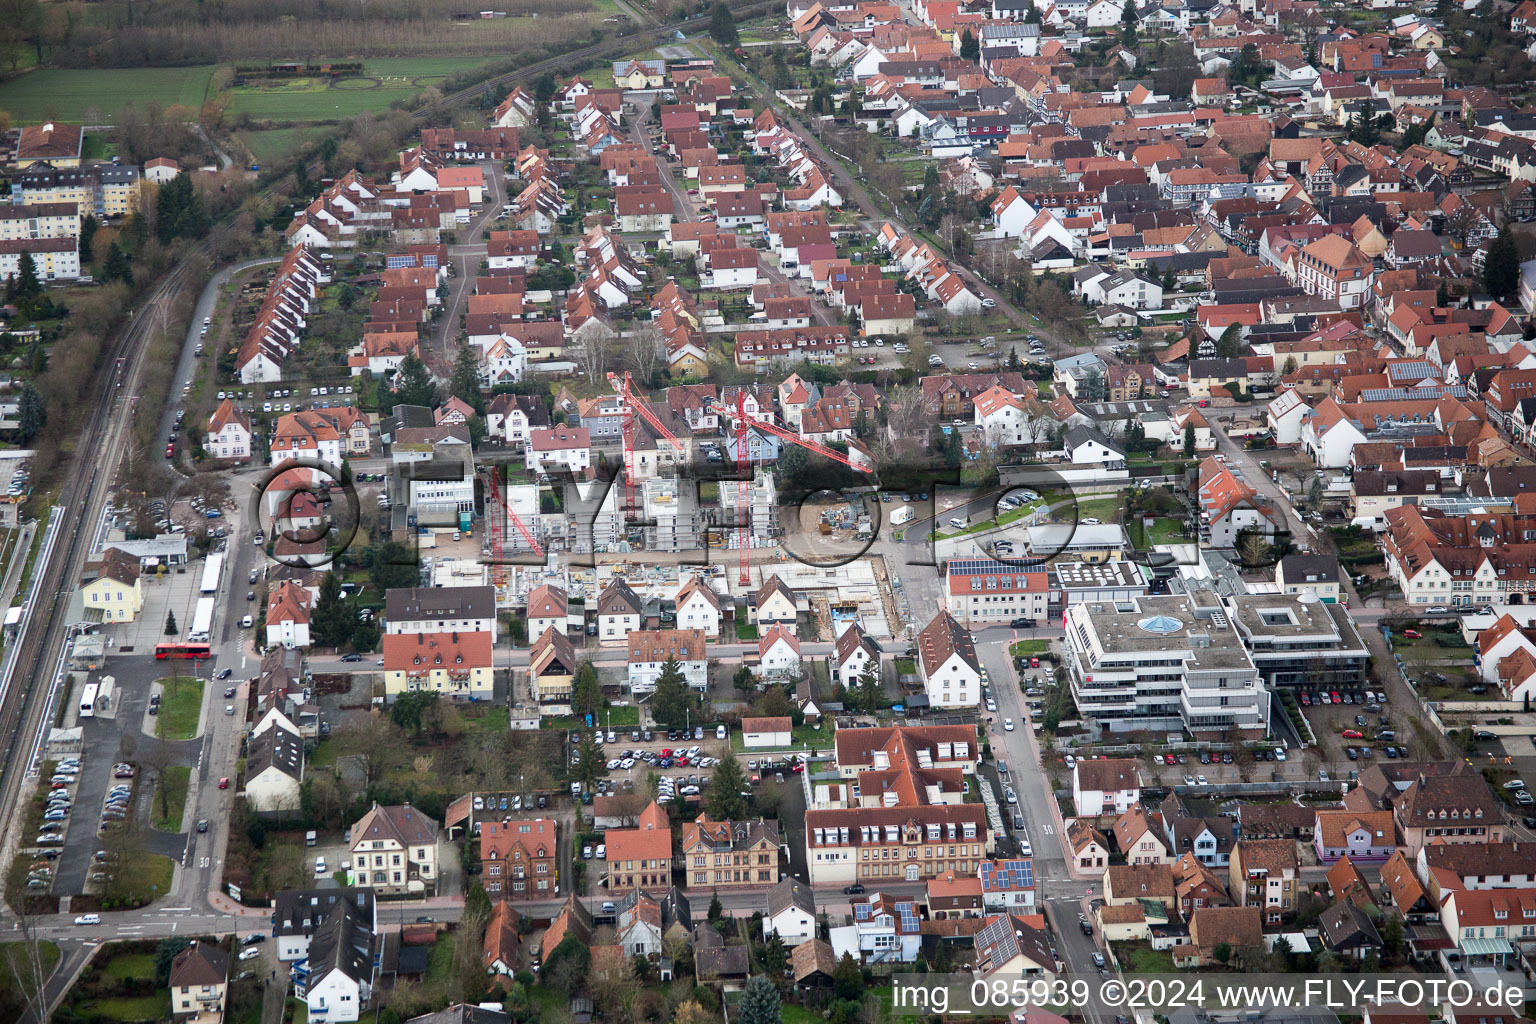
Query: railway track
{"points": [[81, 494]]}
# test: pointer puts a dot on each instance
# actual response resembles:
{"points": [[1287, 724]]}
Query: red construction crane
{"points": [[623, 388], [745, 425], [494, 497]]}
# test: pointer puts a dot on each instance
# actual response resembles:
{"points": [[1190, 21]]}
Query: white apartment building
{"points": [[1163, 664]]}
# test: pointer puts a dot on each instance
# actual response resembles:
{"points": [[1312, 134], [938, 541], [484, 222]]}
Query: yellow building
{"points": [[46, 220], [102, 190], [115, 592], [51, 143], [455, 664]]}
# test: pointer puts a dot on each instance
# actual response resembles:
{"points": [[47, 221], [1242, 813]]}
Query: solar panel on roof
{"points": [[861, 911], [908, 912]]}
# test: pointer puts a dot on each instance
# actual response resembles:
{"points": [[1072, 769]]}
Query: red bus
{"points": [[175, 650]]}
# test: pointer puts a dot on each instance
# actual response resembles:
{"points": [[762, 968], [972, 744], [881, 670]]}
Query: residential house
{"points": [[852, 655], [791, 912], [456, 665], [229, 433], [947, 663], [650, 650], [618, 612], [274, 766], [394, 850], [774, 603], [199, 980], [730, 855], [519, 858], [640, 858], [1105, 786], [1368, 836], [1263, 874]]}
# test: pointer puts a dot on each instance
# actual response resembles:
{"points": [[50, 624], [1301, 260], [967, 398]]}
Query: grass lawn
{"points": [[148, 877], [175, 783], [318, 98], [618, 718], [68, 94], [1144, 959], [130, 965], [1029, 648], [440, 960], [273, 145], [800, 737], [746, 631], [797, 1014], [1164, 531], [180, 707], [1106, 509], [133, 1008]]}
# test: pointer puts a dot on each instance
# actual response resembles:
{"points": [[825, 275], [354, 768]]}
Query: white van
{"points": [[957, 523], [719, 732], [88, 919], [247, 622]]}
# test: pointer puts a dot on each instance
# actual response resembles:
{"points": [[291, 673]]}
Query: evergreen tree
{"points": [[1501, 267], [31, 417], [465, 382], [671, 702], [415, 386], [25, 286], [726, 800], [871, 693], [760, 1001], [365, 636], [590, 766], [722, 25], [775, 956], [1189, 437], [88, 229], [744, 681], [179, 210], [716, 911], [587, 692], [117, 268], [333, 620], [1091, 389], [848, 978], [409, 709], [170, 624], [1442, 295], [1231, 342], [1169, 281], [970, 46]]}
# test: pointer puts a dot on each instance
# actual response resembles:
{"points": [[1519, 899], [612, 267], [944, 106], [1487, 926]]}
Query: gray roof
{"points": [[1346, 925], [1080, 435], [300, 911], [342, 944], [463, 1013], [276, 747], [421, 603], [790, 893], [166, 545], [1297, 568]]}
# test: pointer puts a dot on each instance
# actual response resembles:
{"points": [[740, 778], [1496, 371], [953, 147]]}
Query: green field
{"points": [[318, 99], [177, 777], [274, 145], [180, 708], [68, 94]]}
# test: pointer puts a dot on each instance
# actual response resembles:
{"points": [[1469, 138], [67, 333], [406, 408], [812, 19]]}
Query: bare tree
{"points": [[372, 739], [645, 352], [592, 350], [27, 967]]}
